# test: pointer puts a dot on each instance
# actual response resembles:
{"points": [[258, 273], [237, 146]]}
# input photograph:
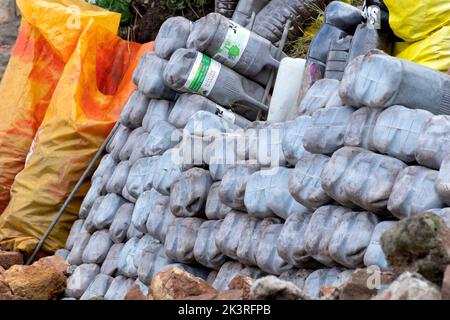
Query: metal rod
{"points": [[71, 195], [278, 53]]}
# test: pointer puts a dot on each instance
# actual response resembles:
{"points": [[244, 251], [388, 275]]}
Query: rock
{"points": [[174, 283], [9, 296], [359, 286], [56, 262], [135, 293], [272, 288], [418, 244], [4, 288], [410, 286], [236, 294], [2, 271], [10, 258], [242, 282], [40, 281], [446, 284], [329, 293]]}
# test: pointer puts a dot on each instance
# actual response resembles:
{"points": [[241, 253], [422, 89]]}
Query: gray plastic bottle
{"points": [[433, 143], [80, 243], [158, 222], [172, 35], [279, 200], [233, 184], [357, 177], [189, 191], [226, 7], [110, 265], [117, 142], [131, 143], [161, 138], [244, 10], [230, 233], [180, 239], [215, 208], [292, 143], [167, 169], [215, 81], [89, 221], [188, 104], [305, 183], [125, 263], [397, 131], [351, 238], [291, 241], [141, 175], [134, 111], [97, 247], [80, 280], [153, 261], [76, 228], [157, 110], [367, 38], [398, 82], [205, 249], [105, 213], [326, 133], [414, 192], [148, 201], [337, 58], [267, 256], [251, 237], [234, 46], [121, 223], [360, 130], [442, 181], [319, 232], [119, 288], [150, 80], [318, 96], [98, 287], [374, 255], [118, 178]]}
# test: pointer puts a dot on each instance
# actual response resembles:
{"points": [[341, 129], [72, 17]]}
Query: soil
{"points": [[150, 17]]}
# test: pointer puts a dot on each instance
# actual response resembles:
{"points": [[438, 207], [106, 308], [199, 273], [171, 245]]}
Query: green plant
{"points": [[179, 5], [119, 6]]}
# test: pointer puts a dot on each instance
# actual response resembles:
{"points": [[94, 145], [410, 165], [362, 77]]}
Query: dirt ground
{"points": [[9, 25]]}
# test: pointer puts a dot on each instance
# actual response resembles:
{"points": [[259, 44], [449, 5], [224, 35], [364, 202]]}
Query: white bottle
{"points": [[284, 100]]}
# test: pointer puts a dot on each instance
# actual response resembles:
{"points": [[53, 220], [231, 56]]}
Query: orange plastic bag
{"points": [[86, 102], [49, 33]]}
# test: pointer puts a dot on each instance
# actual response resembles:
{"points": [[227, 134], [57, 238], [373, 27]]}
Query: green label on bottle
{"points": [[203, 75], [234, 45]]}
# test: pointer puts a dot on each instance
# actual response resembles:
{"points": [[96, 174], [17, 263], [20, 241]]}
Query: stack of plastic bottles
{"points": [[188, 182]]}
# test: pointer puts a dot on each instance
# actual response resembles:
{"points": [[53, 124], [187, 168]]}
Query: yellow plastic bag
{"points": [[91, 90], [413, 20], [48, 35], [433, 52]]}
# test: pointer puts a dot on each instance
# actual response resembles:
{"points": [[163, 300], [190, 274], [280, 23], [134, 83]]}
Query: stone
{"points": [[272, 288], [56, 262], [410, 286], [174, 283], [10, 258], [242, 282], [36, 282], [135, 293], [361, 285], [329, 293], [418, 244], [446, 284], [4, 288]]}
